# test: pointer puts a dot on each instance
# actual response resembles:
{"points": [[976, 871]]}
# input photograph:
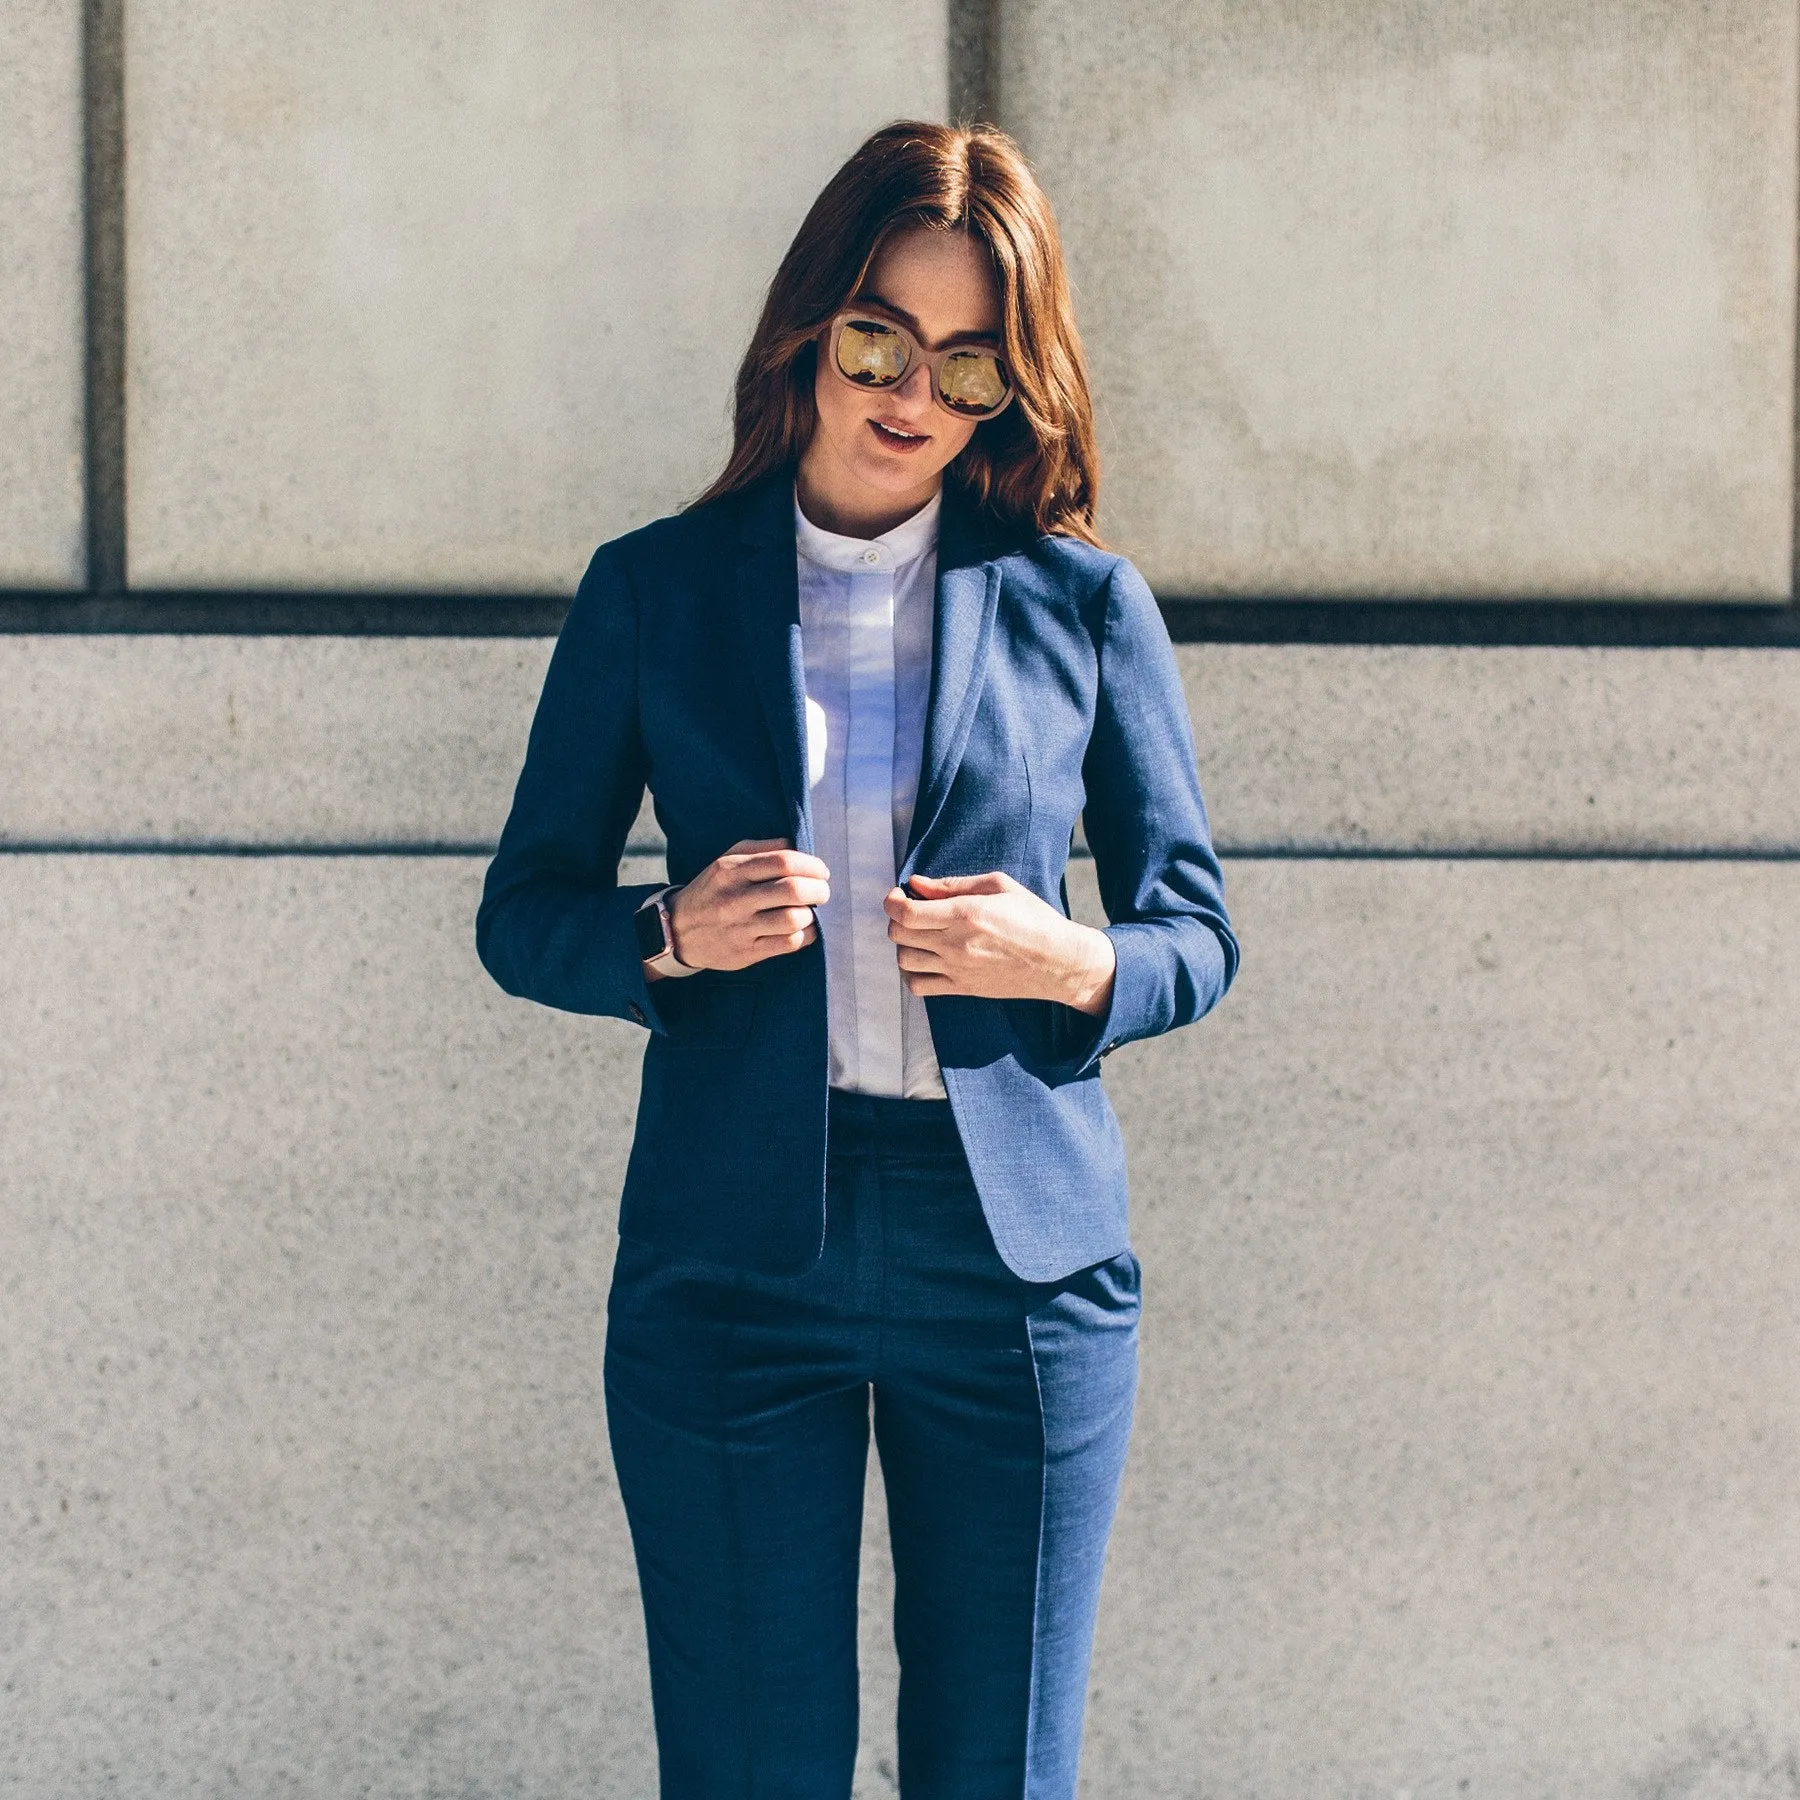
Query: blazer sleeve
{"points": [[1146, 825], [554, 925]]}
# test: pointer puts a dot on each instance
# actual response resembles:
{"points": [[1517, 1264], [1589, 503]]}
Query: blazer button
{"points": [[636, 1011]]}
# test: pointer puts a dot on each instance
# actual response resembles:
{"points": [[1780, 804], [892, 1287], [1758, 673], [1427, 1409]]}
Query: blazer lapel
{"points": [[967, 598], [964, 605], [769, 611]]}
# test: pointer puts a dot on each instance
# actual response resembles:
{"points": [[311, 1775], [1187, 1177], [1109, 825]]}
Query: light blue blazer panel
{"points": [[1054, 694]]}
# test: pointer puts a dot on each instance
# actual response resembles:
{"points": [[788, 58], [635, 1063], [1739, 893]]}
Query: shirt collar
{"points": [[908, 540]]}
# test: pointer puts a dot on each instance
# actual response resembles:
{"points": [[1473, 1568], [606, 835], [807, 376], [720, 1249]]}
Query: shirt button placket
{"points": [[869, 785]]}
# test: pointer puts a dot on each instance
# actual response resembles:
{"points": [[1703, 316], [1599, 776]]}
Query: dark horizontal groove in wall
{"points": [[189, 614], [202, 847], [188, 847], [1574, 854], [1635, 624], [1246, 853], [1496, 624]]}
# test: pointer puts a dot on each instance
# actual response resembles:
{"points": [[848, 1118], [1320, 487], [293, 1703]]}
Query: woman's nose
{"points": [[915, 386]]}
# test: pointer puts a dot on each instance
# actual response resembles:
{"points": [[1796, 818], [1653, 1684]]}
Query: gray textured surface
{"points": [[40, 294], [216, 740], [378, 740], [1468, 1436], [440, 296], [1425, 748], [1463, 298], [308, 1232]]}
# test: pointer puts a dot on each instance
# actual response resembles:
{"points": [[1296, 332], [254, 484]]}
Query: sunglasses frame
{"points": [[916, 353]]}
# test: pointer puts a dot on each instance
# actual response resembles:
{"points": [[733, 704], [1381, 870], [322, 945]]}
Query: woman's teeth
{"points": [[895, 435]]}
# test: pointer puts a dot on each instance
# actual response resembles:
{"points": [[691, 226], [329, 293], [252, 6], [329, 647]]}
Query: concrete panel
{"points": [[1462, 299], [41, 317], [1468, 1437], [1428, 748], [229, 741], [308, 1235], [427, 296], [326, 741]]}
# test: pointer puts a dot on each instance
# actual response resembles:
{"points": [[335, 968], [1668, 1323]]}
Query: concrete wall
{"points": [[439, 297], [1468, 1436], [1468, 1440], [1463, 298], [40, 294], [324, 742]]}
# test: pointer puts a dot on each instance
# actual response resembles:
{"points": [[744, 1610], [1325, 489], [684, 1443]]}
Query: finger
{"points": [[915, 915], [784, 945], [772, 865], [750, 911], [929, 937], [782, 921], [743, 923], [759, 844], [791, 890], [912, 957], [919, 981], [990, 882]]}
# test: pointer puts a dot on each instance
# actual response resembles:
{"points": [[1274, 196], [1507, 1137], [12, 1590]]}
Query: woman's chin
{"points": [[898, 475]]}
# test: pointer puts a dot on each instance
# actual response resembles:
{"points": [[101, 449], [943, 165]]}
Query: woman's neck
{"points": [[853, 509]]}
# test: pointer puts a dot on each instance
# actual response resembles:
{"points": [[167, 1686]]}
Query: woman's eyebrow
{"points": [[912, 325]]}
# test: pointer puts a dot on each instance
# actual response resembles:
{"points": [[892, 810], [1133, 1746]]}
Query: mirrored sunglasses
{"points": [[871, 351]]}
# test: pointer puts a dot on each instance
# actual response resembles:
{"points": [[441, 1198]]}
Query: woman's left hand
{"points": [[992, 936]]}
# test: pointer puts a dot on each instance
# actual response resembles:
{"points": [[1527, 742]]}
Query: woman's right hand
{"points": [[752, 903]]}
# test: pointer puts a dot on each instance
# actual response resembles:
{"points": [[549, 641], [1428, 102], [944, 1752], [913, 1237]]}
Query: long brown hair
{"points": [[1034, 467]]}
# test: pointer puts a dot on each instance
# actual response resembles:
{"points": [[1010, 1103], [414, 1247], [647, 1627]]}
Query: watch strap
{"points": [[665, 962]]}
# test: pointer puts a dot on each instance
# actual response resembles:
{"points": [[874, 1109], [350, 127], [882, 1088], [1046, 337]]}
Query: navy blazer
{"points": [[1054, 693]]}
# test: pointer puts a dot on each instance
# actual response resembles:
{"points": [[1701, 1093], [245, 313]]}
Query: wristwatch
{"points": [[655, 937]]}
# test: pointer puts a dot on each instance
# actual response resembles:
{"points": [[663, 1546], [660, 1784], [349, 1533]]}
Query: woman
{"points": [[871, 678]]}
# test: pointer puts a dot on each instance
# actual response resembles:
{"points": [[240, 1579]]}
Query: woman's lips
{"points": [[890, 438]]}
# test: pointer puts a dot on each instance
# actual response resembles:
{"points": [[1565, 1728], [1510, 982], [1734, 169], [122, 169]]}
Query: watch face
{"points": [[649, 931]]}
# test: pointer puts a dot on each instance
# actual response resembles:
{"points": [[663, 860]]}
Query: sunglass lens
{"points": [[870, 353], [972, 381]]}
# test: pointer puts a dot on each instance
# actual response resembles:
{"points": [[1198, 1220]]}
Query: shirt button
{"points": [[871, 557], [636, 1011]]}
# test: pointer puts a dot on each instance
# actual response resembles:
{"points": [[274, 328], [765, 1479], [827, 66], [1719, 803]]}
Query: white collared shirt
{"points": [[866, 608]]}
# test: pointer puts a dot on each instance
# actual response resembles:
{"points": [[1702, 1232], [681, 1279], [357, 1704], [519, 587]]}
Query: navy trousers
{"points": [[738, 1407]]}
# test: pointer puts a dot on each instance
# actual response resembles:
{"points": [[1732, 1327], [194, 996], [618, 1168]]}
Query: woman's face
{"points": [[878, 455]]}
